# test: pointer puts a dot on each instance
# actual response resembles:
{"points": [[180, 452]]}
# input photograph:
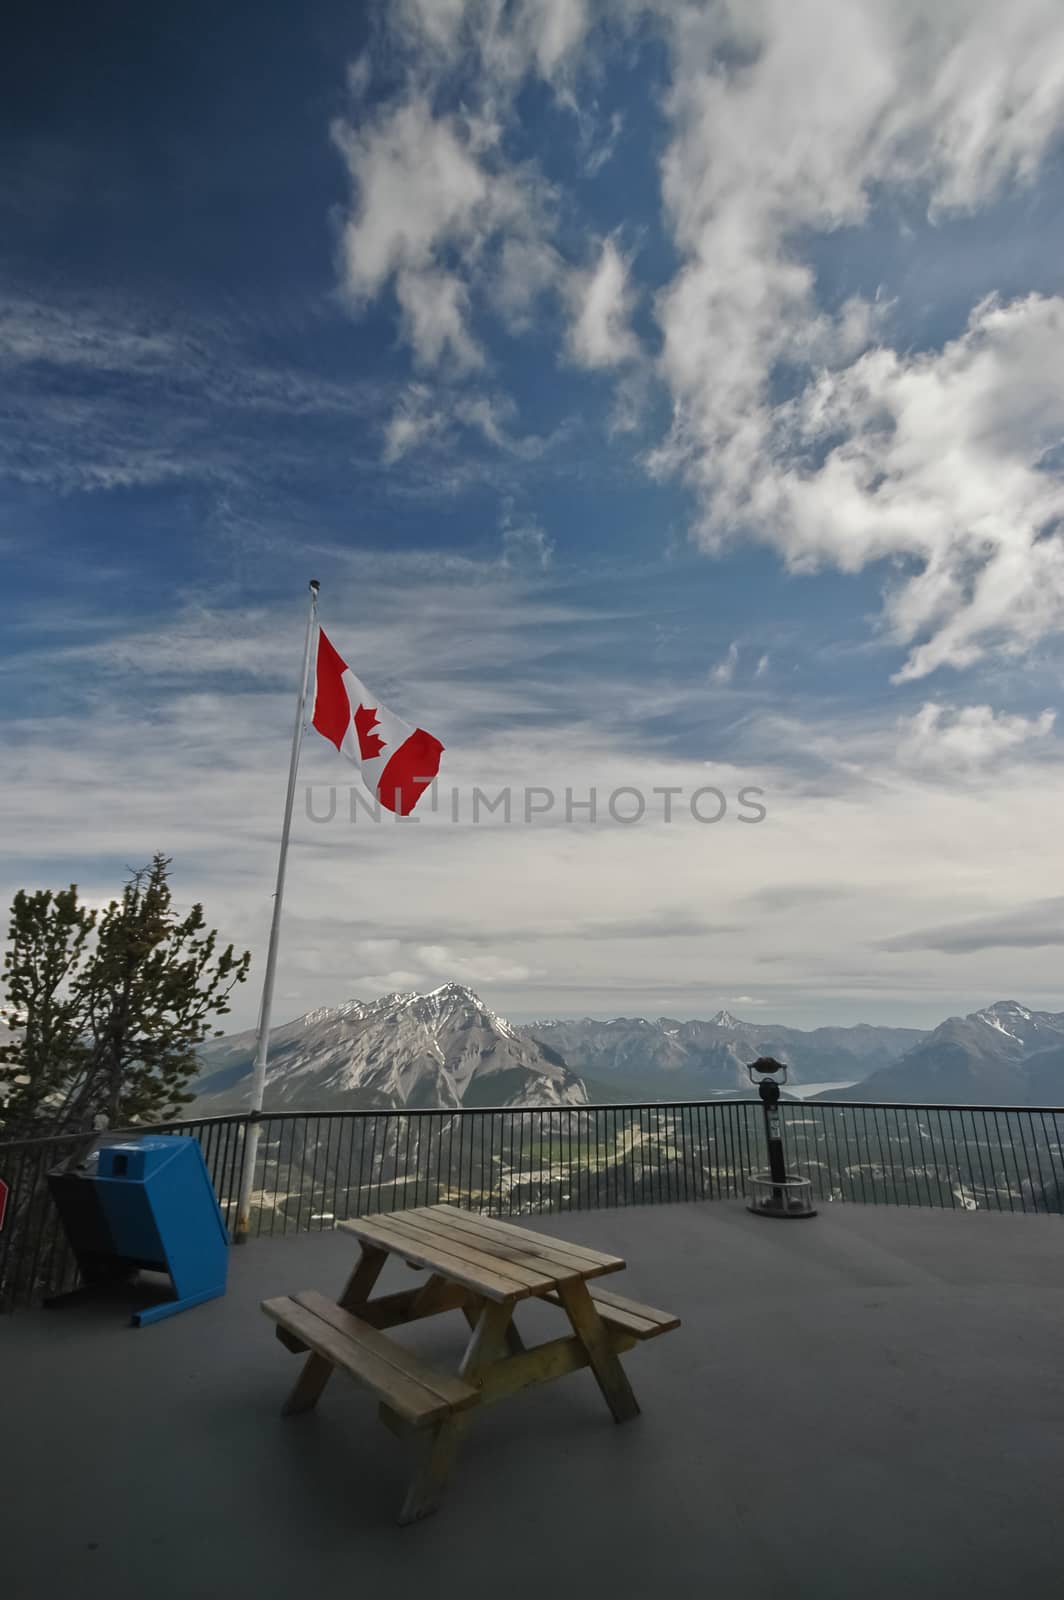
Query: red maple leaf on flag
{"points": [[370, 744]]}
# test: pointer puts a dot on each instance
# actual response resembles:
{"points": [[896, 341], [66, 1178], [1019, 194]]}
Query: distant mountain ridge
{"points": [[445, 1048], [713, 1054], [448, 1049], [1003, 1055]]}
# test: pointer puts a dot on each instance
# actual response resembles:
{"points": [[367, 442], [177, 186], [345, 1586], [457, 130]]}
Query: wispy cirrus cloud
{"points": [[1037, 925]]}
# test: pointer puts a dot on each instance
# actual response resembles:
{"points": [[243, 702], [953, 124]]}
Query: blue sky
{"points": [[663, 395]]}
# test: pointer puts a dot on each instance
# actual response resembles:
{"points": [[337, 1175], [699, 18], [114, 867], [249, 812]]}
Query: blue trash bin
{"points": [[146, 1203]]}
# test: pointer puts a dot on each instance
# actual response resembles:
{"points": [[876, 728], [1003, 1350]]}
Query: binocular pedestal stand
{"points": [[773, 1193]]}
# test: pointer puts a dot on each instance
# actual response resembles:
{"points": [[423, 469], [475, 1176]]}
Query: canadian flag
{"points": [[398, 762]]}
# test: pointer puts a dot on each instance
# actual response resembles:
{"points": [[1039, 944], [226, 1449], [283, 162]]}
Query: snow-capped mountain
{"points": [[1003, 1055], [445, 1048], [1030, 1030], [711, 1056]]}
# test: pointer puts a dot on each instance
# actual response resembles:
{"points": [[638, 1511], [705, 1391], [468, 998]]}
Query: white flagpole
{"points": [[258, 1077]]}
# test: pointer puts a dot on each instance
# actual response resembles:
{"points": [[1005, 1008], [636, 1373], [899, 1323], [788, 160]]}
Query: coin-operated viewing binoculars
{"points": [[774, 1194]]}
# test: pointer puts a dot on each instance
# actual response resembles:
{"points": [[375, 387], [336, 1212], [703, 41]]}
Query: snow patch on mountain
{"points": [[445, 1048]]}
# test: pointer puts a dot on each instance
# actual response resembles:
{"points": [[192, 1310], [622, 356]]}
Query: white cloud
{"points": [[440, 212], [426, 187], [435, 306], [414, 420], [507, 41], [786, 119], [942, 463], [443, 961], [724, 671], [601, 302], [419, 185], [528, 268], [525, 545], [604, 149], [430, 418], [966, 740]]}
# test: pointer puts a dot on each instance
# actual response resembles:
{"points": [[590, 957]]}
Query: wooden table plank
{"points": [[407, 1396], [428, 1233], [539, 1272], [493, 1285], [452, 1391], [508, 1230], [590, 1263], [557, 1260]]}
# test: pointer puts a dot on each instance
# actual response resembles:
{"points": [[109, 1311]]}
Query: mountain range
{"points": [[1005, 1055], [448, 1049], [691, 1059]]}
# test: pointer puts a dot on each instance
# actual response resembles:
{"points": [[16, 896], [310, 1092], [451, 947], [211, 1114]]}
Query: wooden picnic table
{"points": [[484, 1268]]}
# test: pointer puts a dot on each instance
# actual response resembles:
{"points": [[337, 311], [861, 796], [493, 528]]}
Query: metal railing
{"points": [[313, 1169]]}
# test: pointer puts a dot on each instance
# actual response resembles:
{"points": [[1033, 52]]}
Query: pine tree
{"points": [[46, 1055], [105, 1029]]}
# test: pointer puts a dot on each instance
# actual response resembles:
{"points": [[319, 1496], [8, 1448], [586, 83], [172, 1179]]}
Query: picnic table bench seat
{"points": [[409, 1385], [626, 1316]]}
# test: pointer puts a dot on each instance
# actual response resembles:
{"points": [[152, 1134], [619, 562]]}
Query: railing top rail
{"points": [[615, 1105], [74, 1135], [911, 1105], [621, 1105], [239, 1117]]}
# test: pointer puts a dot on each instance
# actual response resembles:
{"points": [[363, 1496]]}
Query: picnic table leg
{"points": [[514, 1342], [605, 1362], [306, 1391], [487, 1344]]}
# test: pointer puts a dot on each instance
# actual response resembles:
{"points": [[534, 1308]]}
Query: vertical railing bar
{"points": [[364, 1123], [227, 1181], [912, 1158], [313, 1171], [373, 1123], [944, 1162], [302, 1125], [1022, 1122], [986, 1188], [406, 1163], [1043, 1195], [951, 1124], [9, 1234], [42, 1161], [343, 1124], [381, 1164], [879, 1143], [461, 1145]]}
